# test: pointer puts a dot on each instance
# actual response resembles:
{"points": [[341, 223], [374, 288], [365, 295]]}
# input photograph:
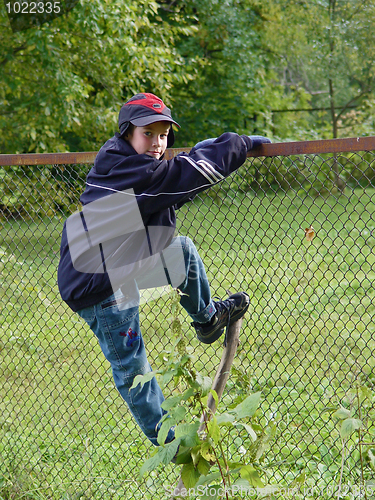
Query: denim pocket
{"points": [[115, 317]]}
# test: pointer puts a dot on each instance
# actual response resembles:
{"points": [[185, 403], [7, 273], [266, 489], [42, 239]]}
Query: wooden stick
{"points": [[218, 385]]}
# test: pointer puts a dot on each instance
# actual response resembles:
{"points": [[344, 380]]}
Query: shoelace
{"points": [[228, 308]]}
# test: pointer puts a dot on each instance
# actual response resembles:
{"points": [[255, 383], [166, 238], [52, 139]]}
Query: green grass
{"points": [[307, 343], [308, 340]]}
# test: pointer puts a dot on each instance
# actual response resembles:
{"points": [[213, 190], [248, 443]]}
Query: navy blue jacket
{"points": [[159, 186]]}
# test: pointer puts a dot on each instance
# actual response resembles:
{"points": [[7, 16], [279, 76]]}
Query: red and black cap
{"points": [[143, 109]]}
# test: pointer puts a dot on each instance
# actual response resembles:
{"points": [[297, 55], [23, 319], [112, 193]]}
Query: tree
{"points": [[62, 83], [326, 48], [230, 92], [232, 65]]}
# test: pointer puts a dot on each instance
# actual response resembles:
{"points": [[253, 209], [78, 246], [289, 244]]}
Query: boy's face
{"points": [[150, 139]]}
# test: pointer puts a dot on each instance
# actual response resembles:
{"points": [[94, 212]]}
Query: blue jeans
{"points": [[115, 322]]}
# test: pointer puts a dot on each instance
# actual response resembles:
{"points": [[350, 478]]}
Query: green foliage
{"points": [[199, 446], [230, 92], [222, 66], [64, 82], [356, 433], [44, 190], [312, 174], [325, 50]]}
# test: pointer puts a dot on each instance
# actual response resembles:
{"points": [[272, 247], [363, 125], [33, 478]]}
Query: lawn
{"points": [[307, 344]]}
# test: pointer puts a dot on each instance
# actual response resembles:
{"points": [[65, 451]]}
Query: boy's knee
{"points": [[189, 246], [189, 243], [125, 376]]}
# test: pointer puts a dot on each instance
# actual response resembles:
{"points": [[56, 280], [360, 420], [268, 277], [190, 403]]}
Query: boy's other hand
{"points": [[251, 141], [254, 141], [257, 140]]}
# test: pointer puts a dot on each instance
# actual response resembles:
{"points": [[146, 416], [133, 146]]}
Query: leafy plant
{"points": [[354, 428], [199, 444]]}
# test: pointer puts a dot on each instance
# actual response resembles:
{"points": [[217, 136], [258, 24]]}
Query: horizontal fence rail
{"points": [[276, 149], [295, 228]]}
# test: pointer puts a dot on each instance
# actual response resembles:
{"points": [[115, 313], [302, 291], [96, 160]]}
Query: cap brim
{"points": [[147, 120]]}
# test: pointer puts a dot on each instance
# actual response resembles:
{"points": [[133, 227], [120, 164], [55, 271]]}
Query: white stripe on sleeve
{"points": [[208, 172], [207, 166]]}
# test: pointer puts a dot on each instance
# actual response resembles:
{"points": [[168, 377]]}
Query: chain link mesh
{"points": [[307, 342]]}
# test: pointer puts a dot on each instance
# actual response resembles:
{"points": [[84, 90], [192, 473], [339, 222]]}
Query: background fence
{"points": [[307, 342]]}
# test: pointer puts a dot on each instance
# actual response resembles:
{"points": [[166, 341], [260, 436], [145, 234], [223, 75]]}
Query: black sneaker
{"points": [[227, 312]]}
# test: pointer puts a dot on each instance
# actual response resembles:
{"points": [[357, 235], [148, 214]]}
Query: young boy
{"points": [[123, 240]]}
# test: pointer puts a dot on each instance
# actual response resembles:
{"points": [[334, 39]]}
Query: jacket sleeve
{"points": [[176, 181]]}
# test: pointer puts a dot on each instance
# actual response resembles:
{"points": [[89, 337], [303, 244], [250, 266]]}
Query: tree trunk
{"points": [[338, 181]]}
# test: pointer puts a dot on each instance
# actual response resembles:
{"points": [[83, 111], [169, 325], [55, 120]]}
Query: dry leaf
{"points": [[309, 233]]}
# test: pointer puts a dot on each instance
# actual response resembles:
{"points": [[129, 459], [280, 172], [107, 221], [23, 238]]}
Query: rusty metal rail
{"points": [[47, 158], [275, 149]]}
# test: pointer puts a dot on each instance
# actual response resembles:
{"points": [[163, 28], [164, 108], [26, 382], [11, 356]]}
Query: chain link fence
{"points": [[296, 231]]}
